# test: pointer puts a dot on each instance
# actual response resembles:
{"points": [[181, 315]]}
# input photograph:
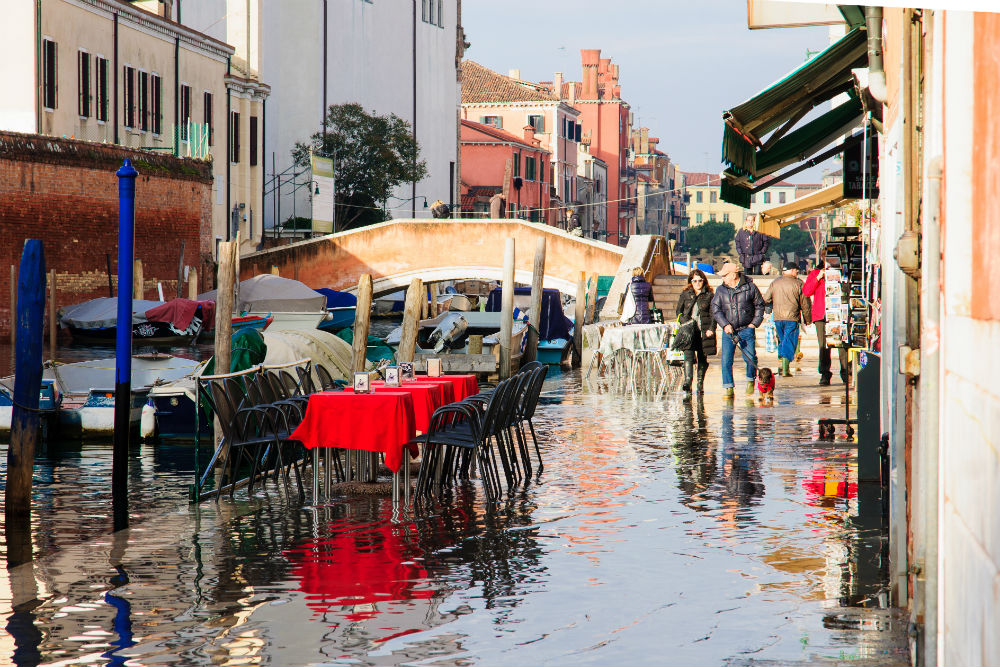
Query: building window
{"points": [[698, 198], [517, 164], [432, 15], [711, 217], [423, 10], [492, 121], [697, 218], [781, 197], [102, 88], [753, 199], [185, 111], [725, 217], [129, 98], [83, 83], [529, 168], [579, 133], [440, 13], [144, 101], [537, 122], [253, 141], [234, 134], [713, 197], [50, 74], [208, 118], [156, 104], [767, 197]]}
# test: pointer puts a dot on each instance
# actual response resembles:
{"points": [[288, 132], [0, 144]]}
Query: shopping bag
{"points": [[770, 335]]}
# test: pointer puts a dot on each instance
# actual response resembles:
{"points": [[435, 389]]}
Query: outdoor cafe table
{"points": [[634, 337], [464, 385], [427, 397]]}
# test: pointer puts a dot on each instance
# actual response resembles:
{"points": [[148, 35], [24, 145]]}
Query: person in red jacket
{"points": [[815, 287]]}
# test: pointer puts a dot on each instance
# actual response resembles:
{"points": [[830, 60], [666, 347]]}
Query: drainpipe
{"points": [[39, 76], [930, 401], [177, 93], [413, 186], [876, 72], [229, 154], [114, 77]]}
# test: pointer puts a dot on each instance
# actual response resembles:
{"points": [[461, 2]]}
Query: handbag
{"points": [[684, 336], [628, 307]]}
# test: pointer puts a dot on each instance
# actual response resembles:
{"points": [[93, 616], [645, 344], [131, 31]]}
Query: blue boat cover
{"points": [[335, 299], [552, 324]]}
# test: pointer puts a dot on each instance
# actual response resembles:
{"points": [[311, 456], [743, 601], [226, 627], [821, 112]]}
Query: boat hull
{"points": [[143, 333]]}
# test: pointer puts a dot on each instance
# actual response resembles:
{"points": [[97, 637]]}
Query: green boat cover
{"points": [[375, 351]]}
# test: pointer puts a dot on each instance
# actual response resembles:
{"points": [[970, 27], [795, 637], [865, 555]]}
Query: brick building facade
{"points": [[65, 193]]}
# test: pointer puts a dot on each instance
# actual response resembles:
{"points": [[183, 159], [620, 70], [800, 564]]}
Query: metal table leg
{"points": [[315, 475], [327, 468]]}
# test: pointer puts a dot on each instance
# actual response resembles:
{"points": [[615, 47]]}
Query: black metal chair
{"points": [[528, 403], [247, 433]]}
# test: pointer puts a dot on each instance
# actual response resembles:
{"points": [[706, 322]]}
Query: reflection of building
{"points": [[116, 73]]}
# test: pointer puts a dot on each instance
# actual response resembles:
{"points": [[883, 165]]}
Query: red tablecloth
{"points": [[463, 385], [382, 421], [427, 397]]}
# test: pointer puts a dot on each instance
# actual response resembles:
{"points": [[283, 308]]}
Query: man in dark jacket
{"points": [[752, 245], [738, 307]]}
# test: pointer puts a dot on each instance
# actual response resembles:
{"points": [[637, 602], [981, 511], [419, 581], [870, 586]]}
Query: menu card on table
{"points": [[392, 376], [434, 367], [406, 370], [361, 383]]}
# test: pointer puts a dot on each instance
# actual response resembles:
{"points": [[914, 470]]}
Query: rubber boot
{"points": [[783, 367], [701, 378], [688, 374]]}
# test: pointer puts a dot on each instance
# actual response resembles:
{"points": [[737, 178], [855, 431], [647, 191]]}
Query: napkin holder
{"points": [[434, 367], [392, 378], [362, 383]]}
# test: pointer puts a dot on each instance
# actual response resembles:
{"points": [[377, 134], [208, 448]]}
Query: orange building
{"points": [[496, 161]]}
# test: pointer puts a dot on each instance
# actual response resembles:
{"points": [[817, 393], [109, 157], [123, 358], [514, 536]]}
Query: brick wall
{"points": [[65, 193]]}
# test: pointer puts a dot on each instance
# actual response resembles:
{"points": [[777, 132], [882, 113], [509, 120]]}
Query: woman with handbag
{"points": [[694, 312]]}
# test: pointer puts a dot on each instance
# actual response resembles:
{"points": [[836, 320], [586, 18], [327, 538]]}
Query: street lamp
{"points": [[403, 201]]}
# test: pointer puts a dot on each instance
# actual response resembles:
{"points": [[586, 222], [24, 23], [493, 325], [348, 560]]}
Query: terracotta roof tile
{"points": [[481, 85], [499, 135]]}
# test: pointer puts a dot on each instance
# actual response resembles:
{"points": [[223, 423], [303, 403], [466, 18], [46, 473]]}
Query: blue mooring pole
{"points": [[123, 344], [29, 320]]}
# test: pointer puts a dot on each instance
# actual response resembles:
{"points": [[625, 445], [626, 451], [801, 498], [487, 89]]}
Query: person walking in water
{"points": [[752, 245], [738, 307], [790, 306], [815, 287], [695, 303]]}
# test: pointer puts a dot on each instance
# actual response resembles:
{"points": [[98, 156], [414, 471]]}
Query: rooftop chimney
{"points": [[557, 83], [514, 74], [529, 134], [590, 58]]}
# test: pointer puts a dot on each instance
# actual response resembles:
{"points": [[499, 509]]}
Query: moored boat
{"points": [[175, 322]]}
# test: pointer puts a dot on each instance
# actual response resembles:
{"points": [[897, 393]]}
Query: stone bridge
{"points": [[397, 251]]}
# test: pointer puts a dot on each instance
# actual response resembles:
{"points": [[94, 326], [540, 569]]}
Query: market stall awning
{"points": [[773, 219], [778, 108]]}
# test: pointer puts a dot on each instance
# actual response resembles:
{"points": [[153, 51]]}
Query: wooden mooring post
{"points": [[580, 317], [52, 314], [507, 310], [591, 299], [13, 316], [415, 299], [30, 320], [180, 273], [534, 315], [362, 316], [137, 281], [192, 281]]}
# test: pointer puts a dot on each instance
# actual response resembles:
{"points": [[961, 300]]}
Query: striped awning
{"points": [[773, 219]]}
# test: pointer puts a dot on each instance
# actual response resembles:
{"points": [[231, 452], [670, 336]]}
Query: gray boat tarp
{"points": [[102, 313], [147, 371], [271, 293]]}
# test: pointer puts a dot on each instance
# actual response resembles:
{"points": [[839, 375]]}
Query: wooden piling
{"points": [[591, 299], [180, 273], [534, 314], [580, 317], [52, 314], [29, 317], [507, 310], [411, 314], [192, 283], [137, 283], [362, 315], [224, 305]]}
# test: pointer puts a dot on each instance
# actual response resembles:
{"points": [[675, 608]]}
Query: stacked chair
{"points": [[486, 430], [258, 409]]}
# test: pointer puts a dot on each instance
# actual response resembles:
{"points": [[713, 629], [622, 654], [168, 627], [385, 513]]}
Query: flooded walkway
{"points": [[660, 532]]}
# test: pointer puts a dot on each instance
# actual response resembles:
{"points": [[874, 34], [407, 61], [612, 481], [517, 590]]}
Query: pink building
{"points": [[508, 103], [493, 160]]}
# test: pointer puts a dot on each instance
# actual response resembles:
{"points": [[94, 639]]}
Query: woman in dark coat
{"points": [[698, 294], [641, 292]]}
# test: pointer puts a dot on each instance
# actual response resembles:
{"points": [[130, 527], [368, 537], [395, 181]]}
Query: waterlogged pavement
{"points": [[660, 532]]}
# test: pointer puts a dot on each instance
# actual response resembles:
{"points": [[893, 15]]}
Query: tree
{"points": [[793, 239], [372, 156], [713, 236]]}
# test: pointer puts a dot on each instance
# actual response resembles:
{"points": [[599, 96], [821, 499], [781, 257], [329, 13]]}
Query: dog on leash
{"points": [[765, 384]]}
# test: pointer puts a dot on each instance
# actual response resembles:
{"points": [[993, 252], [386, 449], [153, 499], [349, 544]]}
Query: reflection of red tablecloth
{"points": [[382, 421], [358, 567], [463, 385], [427, 397]]}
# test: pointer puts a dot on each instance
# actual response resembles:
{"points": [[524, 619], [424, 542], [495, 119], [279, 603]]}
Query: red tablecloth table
{"points": [[463, 385], [427, 397], [382, 421]]}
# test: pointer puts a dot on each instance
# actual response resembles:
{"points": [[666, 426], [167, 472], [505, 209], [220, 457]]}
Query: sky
{"points": [[681, 63]]}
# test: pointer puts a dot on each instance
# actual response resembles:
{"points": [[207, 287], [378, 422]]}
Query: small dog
{"points": [[765, 384]]}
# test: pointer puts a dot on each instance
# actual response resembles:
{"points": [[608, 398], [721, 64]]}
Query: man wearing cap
{"points": [[790, 306], [738, 307]]}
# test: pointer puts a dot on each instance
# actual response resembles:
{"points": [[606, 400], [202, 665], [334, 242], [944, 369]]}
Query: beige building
{"points": [[110, 71], [704, 203]]}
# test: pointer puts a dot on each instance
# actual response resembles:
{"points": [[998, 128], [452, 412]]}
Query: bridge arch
{"points": [[397, 251]]}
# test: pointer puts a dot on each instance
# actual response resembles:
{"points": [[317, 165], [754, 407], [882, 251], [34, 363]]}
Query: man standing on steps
{"points": [[738, 307], [790, 306], [752, 245]]}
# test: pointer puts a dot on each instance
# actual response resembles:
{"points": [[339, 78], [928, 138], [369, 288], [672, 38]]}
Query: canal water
{"points": [[659, 532]]}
